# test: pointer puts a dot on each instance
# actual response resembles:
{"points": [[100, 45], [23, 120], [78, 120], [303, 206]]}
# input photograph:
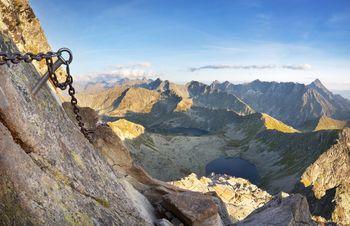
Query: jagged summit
{"points": [[317, 82], [257, 81], [318, 85], [153, 84]]}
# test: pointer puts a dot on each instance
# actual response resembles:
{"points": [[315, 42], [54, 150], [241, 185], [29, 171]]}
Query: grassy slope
{"points": [[326, 123]]}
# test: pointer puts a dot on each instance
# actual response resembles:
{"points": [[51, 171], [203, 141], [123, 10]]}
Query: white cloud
{"points": [[247, 67], [130, 71]]}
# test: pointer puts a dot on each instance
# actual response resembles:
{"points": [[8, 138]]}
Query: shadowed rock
{"points": [[290, 210]]}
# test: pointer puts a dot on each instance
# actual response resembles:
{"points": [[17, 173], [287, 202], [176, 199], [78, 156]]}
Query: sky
{"points": [[203, 40]]}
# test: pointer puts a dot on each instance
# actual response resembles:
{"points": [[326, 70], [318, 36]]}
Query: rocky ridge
{"points": [[18, 21], [332, 171], [239, 195]]}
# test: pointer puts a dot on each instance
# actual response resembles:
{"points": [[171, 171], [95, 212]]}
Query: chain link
{"points": [[16, 58]]}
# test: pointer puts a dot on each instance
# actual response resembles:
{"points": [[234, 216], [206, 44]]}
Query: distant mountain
{"points": [[203, 96], [298, 105], [344, 93], [100, 83], [292, 103]]}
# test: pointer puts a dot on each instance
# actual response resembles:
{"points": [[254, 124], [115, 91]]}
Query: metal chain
{"points": [[16, 58]]}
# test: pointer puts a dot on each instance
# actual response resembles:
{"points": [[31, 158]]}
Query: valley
{"points": [[216, 124]]}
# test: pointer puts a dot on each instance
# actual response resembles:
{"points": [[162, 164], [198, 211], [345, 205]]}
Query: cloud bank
{"points": [[123, 73], [116, 72], [248, 67]]}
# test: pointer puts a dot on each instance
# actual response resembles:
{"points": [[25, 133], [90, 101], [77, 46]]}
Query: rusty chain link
{"points": [[16, 58]]}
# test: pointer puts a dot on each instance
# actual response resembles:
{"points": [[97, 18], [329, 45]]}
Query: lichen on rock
{"points": [[36, 153]]}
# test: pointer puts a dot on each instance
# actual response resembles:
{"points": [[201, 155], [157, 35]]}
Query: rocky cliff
{"points": [[46, 176], [18, 21], [331, 171]]}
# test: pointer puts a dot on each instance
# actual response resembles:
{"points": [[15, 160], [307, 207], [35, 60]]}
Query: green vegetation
{"points": [[103, 202], [273, 124], [326, 123]]}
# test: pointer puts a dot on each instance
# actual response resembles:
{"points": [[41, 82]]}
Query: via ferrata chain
{"points": [[16, 58]]}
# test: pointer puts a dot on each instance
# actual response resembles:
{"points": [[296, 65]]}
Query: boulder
{"points": [[239, 196], [281, 210], [192, 208]]}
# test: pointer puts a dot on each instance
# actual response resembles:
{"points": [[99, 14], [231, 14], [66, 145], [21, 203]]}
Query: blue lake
{"points": [[234, 166]]}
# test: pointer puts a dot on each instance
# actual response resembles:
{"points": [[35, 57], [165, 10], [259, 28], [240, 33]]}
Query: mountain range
{"points": [[298, 105], [292, 103]]}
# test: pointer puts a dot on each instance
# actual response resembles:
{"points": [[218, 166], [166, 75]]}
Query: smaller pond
{"points": [[233, 166]]}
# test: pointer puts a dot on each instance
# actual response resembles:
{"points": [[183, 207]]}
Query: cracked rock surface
{"points": [[49, 172]]}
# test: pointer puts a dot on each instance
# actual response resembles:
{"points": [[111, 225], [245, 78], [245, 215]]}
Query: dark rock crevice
{"points": [[52, 173], [25, 147], [324, 206]]}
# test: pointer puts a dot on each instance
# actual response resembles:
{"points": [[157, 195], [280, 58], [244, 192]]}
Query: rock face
{"points": [[290, 210], [193, 208], [332, 171], [18, 20], [49, 171], [239, 195]]}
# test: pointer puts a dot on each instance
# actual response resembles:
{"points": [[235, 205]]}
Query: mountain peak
{"points": [[317, 82], [256, 81]]}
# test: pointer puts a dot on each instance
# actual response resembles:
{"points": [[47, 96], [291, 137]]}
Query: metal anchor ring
{"points": [[60, 56]]}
